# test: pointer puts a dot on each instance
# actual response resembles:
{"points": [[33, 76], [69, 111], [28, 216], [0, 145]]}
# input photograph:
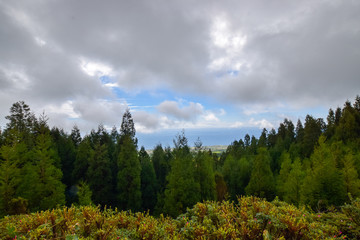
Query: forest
{"points": [[312, 165]]}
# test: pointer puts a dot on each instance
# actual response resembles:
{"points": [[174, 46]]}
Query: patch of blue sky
{"points": [[105, 79], [229, 72]]}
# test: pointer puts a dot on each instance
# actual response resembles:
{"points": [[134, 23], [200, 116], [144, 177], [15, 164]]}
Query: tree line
{"points": [[315, 164]]}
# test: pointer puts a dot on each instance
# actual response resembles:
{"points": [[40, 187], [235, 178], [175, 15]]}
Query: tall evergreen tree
{"points": [[283, 176], [75, 136], [293, 184], [42, 184], [99, 175], [161, 166], [129, 183], [323, 184], [149, 186], [128, 127], [236, 174], [261, 182], [182, 190], [65, 147], [205, 176], [83, 156], [9, 178]]}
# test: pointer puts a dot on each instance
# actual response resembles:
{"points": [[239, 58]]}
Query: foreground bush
{"points": [[251, 218]]}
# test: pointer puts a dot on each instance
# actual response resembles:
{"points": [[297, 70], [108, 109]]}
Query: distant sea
{"points": [[209, 136]]}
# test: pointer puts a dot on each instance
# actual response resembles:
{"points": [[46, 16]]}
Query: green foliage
{"points": [[323, 184], [261, 182], [294, 182], [236, 174], [183, 190], [99, 175], [204, 174], [84, 194], [251, 218], [129, 182], [41, 184], [83, 156], [149, 186]]}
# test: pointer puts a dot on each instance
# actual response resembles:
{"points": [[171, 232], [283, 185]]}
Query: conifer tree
{"points": [[161, 166], [149, 186], [236, 174], [9, 178], [293, 184], [350, 175], [261, 182], [128, 180], [99, 175], [205, 175], [323, 184], [182, 190], [83, 156], [41, 184], [284, 174], [75, 136]]}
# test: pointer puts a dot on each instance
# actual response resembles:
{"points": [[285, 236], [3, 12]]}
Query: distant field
{"points": [[215, 149]]}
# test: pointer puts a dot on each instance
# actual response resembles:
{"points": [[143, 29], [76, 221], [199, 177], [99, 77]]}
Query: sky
{"points": [[214, 68]]}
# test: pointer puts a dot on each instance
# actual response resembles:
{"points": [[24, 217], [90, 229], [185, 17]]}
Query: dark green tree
{"points": [[205, 176], [83, 157], [149, 186], [129, 182], [41, 184], [75, 136], [236, 174], [128, 127], [65, 147], [261, 182], [182, 190], [99, 175], [161, 166], [9, 178]]}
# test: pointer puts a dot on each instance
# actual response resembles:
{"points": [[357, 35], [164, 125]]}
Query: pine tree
{"points": [[66, 151], [21, 124], [161, 166], [128, 127], [261, 182], [236, 174], [323, 184], [9, 178], [75, 136], [284, 174], [293, 184], [205, 175], [182, 190], [129, 182], [149, 186], [99, 175], [83, 156], [41, 184]]}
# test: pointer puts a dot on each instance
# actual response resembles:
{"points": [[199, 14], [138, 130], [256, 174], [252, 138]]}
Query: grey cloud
{"points": [[298, 52], [172, 108], [146, 120]]}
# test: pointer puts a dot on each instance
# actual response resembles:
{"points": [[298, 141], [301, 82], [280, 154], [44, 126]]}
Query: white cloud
{"points": [[95, 68], [65, 108]]}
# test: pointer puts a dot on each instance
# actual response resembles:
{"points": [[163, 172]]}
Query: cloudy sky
{"points": [[198, 65]]}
